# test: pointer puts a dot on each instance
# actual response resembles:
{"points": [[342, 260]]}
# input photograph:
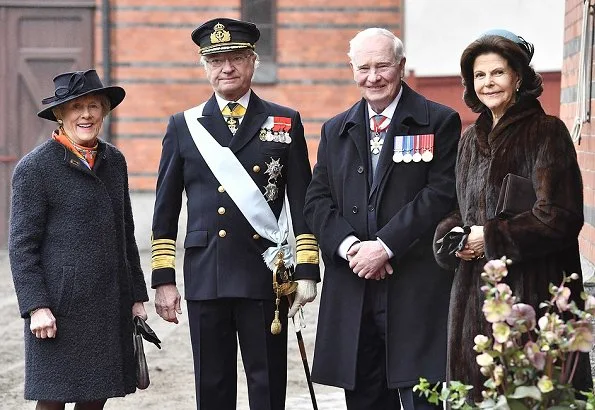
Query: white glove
{"points": [[305, 292]]}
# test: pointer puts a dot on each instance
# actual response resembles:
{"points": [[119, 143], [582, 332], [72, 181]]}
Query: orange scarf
{"points": [[85, 153]]}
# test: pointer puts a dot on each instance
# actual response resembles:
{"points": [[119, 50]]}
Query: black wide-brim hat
{"points": [[71, 85], [221, 35]]}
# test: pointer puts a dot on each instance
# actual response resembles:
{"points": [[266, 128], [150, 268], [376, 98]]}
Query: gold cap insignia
{"points": [[220, 35]]}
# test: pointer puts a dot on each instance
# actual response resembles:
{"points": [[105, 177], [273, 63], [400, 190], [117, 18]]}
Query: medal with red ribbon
{"points": [[378, 124]]}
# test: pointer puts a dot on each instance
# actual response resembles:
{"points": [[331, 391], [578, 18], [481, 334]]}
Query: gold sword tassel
{"points": [[286, 287]]}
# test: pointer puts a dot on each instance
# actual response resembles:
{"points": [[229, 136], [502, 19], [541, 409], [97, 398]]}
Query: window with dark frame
{"points": [[263, 14]]}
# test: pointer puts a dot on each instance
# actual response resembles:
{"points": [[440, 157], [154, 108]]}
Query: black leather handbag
{"points": [[516, 196], [142, 330]]}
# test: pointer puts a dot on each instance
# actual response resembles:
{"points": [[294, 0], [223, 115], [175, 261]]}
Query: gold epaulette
{"points": [[163, 253], [306, 249]]}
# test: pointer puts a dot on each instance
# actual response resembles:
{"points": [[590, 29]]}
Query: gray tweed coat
{"points": [[72, 249]]}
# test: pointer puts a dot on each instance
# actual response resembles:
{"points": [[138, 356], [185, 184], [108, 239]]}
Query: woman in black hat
{"points": [[512, 134], [73, 255]]}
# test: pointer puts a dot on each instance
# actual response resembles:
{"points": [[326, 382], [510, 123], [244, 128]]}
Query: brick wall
{"points": [[448, 90], [586, 148], [155, 60]]}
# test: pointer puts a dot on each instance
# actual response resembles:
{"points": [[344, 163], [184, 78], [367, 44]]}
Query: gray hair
{"points": [[374, 31]]}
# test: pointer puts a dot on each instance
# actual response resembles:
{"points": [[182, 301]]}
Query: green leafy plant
{"points": [[529, 362]]}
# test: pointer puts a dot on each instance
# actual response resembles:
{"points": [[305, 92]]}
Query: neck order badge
{"points": [[378, 125], [232, 113]]}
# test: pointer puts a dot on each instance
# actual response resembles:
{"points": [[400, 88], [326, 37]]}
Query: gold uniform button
{"points": [[256, 168], [222, 233], [221, 189], [221, 211], [256, 236]]}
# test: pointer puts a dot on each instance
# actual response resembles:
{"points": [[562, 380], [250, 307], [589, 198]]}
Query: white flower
{"points": [[496, 310], [484, 360], [481, 343], [561, 298], [522, 317], [495, 270], [581, 338], [501, 332], [545, 384]]}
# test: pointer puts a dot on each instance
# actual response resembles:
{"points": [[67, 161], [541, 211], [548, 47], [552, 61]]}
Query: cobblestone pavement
{"points": [[171, 370]]}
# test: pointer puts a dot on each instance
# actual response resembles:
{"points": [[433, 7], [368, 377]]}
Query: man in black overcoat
{"points": [[237, 157], [383, 180]]}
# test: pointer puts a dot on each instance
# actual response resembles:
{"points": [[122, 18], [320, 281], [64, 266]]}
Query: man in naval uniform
{"points": [[383, 180], [237, 157]]}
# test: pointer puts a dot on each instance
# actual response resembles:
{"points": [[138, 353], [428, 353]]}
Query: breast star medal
{"points": [[271, 191]]}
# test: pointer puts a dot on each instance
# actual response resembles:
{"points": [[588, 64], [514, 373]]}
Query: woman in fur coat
{"points": [[511, 135], [73, 256]]}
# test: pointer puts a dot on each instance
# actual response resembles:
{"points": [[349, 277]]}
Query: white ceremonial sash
{"points": [[242, 189]]}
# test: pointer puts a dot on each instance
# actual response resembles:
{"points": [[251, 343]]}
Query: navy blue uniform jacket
{"points": [[407, 200], [222, 250]]}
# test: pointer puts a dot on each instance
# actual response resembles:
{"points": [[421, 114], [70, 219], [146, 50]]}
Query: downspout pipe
{"points": [[106, 41]]}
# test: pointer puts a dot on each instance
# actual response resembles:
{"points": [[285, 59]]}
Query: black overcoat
{"points": [[217, 266], [542, 242], [409, 200], [72, 249]]}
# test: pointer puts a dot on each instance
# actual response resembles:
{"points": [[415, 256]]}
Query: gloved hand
{"points": [[454, 240], [305, 292]]}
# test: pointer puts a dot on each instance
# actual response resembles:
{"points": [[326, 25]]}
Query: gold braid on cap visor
{"points": [[221, 47]]}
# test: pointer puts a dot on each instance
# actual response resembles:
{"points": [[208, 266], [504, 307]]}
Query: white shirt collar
{"points": [[389, 111], [243, 100]]}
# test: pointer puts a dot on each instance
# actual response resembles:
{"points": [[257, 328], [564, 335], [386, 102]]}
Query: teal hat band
{"points": [[503, 33], [522, 43]]}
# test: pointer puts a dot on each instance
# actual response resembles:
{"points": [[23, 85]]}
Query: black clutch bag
{"points": [[142, 330], [516, 196]]}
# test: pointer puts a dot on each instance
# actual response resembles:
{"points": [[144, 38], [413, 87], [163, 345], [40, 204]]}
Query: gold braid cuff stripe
{"points": [[163, 253], [163, 242], [306, 249], [161, 262], [163, 248], [305, 236], [307, 257], [307, 246]]}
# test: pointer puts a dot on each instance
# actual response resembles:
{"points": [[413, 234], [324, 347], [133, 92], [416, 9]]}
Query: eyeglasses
{"points": [[381, 68], [236, 60]]}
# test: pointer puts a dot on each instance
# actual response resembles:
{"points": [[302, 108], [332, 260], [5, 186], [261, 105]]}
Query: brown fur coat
{"points": [[542, 243]]}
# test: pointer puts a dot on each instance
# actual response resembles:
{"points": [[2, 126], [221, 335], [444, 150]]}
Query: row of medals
{"points": [[274, 136], [425, 156], [412, 154]]}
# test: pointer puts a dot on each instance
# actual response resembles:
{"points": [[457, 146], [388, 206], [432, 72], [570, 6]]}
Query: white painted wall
{"points": [[437, 31]]}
